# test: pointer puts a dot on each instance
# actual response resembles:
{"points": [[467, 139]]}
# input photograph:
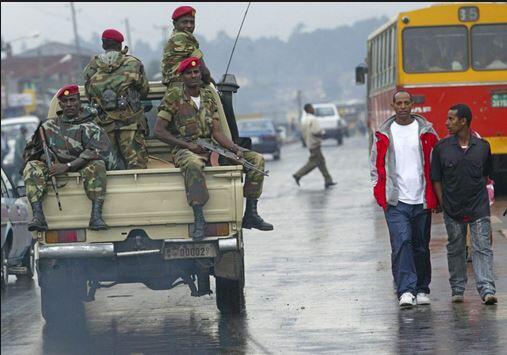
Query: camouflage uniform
{"points": [[181, 45], [122, 115], [67, 140], [189, 123]]}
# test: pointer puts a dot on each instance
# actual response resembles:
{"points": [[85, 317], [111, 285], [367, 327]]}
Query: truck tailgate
{"points": [[149, 199]]}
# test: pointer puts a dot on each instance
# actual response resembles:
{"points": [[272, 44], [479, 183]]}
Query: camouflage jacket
{"points": [[122, 75], [70, 139], [180, 46], [188, 122]]}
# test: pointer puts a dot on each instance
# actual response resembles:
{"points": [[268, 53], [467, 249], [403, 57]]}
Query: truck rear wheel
{"points": [[61, 304], [230, 293]]}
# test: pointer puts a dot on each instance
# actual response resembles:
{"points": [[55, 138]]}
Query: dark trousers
{"points": [[316, 161], [409, 231]]}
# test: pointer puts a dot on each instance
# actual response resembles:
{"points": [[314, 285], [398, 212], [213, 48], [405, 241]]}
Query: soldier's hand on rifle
{"points": [[239, 154], [196, 148], [57, 169]]}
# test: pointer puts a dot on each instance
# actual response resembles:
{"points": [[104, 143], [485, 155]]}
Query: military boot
{"points": [[96, 221], [199, 223], [251, 219], [38, 222]]}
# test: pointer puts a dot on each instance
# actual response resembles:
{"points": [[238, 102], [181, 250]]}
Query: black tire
{"points": [[61, 304], [5, 269], [277, 155], [29, 263], [230, 293]]}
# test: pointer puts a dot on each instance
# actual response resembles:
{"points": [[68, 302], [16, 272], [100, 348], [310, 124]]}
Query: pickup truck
{"points": [[148, 240]]}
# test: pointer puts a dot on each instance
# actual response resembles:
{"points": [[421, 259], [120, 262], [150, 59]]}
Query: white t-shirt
{"points": [[409, 170], [197, 101]]}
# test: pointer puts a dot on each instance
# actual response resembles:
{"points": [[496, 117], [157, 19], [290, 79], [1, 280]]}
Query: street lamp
{"points": [[7, 48]]}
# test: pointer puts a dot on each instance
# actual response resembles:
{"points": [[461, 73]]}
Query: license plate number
{"points": [[255, 140], [499, 100], [184, 251]]}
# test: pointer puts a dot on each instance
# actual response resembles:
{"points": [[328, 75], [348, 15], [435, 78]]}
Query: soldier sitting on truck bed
{"points": [[78, 144], [186, 114]]}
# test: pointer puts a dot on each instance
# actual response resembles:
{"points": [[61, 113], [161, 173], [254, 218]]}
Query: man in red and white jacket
{"points": [[400, 173]]}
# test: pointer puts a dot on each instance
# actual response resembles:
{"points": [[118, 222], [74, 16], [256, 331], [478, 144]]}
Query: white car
{"points": [[13, 144], [17, 256], [329, 120]]}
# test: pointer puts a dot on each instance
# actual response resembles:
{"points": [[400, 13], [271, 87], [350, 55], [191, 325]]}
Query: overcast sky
{"points": [[53, 20]]}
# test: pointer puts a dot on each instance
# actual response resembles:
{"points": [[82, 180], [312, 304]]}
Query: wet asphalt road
{"points": [[319, 283]]}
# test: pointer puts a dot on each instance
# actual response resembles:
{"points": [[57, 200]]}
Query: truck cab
{"points": [[149, 239]]}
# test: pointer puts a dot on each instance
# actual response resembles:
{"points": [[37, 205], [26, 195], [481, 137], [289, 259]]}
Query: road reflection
{"points": [[171, 334]]}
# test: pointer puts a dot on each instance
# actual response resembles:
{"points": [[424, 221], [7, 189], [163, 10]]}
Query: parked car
{"points": [[15, 132], [263, 134], [17, 243], [329, 120]]}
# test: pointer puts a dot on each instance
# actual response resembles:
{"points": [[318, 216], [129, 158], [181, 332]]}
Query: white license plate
{"points": [[189, 251], [255, 140]]}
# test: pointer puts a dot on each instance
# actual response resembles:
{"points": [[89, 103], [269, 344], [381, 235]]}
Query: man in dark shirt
{"points": [[460, 166]]}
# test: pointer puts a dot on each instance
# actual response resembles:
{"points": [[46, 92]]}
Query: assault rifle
{"points": [[48, 163], [228, 154]]}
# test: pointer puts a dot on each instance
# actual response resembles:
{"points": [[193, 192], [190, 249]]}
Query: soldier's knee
{"points": [[34, 167]]}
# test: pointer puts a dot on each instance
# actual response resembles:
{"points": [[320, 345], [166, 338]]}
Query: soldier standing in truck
{"points": [[188, 113], [181, 45], [116, 83]]}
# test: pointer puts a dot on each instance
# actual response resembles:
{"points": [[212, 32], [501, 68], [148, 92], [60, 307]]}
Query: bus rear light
{"points": [[66, 236]]}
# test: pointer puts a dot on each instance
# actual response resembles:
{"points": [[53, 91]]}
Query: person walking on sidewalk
{"points": [[460, 167], [312, 134], [400, 173]]}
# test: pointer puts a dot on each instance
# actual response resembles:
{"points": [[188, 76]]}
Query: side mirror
{"points": [[361, 71], [20, 189], [147, 106]]}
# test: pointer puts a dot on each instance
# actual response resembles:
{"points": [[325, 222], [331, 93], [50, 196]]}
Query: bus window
{"points": [[489, 47], [435, 49]]}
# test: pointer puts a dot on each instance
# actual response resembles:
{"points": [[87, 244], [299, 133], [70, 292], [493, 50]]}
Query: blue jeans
{"points": [[409, 231], [482, 255]]}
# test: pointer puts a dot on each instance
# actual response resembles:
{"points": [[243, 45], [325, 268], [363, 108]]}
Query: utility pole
{"points": [[164, 29], [74, 24], [76, 39], [129, 37]]}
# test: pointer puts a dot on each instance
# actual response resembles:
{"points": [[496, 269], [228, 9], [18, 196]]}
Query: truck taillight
{"points": [[66, 236], [213, 229]]}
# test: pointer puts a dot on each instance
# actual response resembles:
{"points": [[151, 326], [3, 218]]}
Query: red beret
{"points": [[182, 11], [68, 90], [188, 63], [112, 34]]}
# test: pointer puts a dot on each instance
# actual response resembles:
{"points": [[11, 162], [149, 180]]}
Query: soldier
{"points": [[186, 114], [116, 83], [76, 144], [180, 46]]}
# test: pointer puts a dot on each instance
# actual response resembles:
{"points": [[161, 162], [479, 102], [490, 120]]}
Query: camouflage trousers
{"points": [[36, 176], [192, 165], [129, 146], [316, 161]]}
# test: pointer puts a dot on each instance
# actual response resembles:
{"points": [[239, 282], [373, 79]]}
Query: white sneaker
{"points": [[422, 298], [407, 300]]}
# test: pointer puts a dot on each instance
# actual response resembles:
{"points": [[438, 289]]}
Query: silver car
{"points": [[17, 243]]}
